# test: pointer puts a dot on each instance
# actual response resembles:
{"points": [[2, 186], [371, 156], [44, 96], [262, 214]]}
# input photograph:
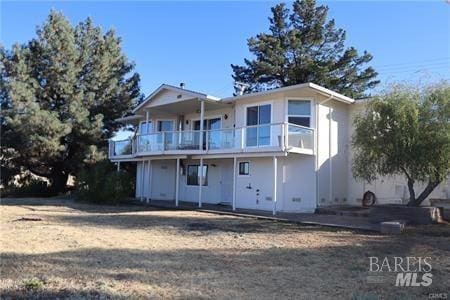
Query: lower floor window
{"points": [[193, 175], [244, 168]]}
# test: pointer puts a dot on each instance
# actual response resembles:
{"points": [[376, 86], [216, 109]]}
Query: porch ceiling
{"points": [[186, 107]]}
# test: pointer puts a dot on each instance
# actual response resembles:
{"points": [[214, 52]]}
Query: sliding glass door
{"points": [[214, 135], [259, 133], [166, 127]]}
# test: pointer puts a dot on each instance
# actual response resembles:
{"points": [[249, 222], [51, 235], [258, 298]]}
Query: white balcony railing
{"points": [[281, 136], [300, 137]]}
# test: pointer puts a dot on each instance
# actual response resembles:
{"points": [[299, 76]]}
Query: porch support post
{"points": [[274, 197], [149, 182], [118, 166], [142, 180], [202, 117], [234, 182], [177, 182], [147, 117], [200, 183]]}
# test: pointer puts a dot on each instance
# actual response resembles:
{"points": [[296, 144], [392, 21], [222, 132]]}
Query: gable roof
{"points": [[316, 87], [169, 87]]}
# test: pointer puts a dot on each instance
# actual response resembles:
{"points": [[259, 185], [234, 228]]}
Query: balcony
{"points": [[258, 138]]}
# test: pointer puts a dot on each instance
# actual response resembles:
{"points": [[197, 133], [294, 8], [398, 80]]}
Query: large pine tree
{"points": [[61, 93], [303, 46]]}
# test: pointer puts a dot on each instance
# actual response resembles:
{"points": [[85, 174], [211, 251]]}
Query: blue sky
{"points": [[195, 42]]}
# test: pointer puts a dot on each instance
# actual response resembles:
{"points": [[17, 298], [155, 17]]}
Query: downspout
{"points": [[317, 146]]}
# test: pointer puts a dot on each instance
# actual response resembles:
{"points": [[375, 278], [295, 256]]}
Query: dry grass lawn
{"points": [[87, 251]]}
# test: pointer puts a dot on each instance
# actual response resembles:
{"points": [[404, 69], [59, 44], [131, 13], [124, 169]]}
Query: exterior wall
{"points": [[219, 113], [209, 114], [218, 170], [295, 183], [159, 179], [298, 183], [279, 106], [332, 148], [255, 191], [162, 178], [167, 97]]}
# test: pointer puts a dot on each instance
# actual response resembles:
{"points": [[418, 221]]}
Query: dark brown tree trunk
{"points": [[412, 193], [58, 182], [425, 193]]}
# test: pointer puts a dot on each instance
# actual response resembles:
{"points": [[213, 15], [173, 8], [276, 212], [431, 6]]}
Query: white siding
{"points": [[167, 97], [212, 193], [295, 184], [163, 179], [209, 114], [298, 183]]}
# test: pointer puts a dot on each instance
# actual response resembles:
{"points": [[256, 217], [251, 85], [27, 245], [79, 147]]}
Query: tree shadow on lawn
{"points": [[200, 223], [325, 272], [122, 217], [35, 203]]}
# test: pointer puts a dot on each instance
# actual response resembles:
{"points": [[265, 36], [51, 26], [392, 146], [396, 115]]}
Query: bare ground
{"points": [[58, 248]]}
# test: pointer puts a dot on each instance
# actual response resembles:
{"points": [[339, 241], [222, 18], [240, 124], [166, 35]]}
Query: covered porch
{"points": [[204, 180]]}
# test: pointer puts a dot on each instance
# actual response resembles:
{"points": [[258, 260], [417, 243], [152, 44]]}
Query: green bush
{"points": [[33, 283], [102, 183]]}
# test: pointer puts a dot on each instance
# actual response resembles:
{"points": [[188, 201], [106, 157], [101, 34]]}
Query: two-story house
{"points": [[285, 149]]}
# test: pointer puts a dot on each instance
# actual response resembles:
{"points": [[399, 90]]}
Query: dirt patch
{"points": [[27, 219], [86, 251]]}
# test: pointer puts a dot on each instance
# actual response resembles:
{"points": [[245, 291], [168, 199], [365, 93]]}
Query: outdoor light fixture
{"points": [[225, 116]]}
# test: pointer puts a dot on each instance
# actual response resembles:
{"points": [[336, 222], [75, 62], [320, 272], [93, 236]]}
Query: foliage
{"points": [[60, 95], [302, 46], [102, 183], [406, 131], [33, 283], [30, 187]]}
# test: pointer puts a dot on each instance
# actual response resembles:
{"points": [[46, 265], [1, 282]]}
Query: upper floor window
{"points": [[165, 125], [299, 112], [258, 120], [145, 127]]}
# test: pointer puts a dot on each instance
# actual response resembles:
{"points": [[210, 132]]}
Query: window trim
{"points": [[262, 103], [239, 169], [159, 120], [311, 113], [206, 118], [198, 167]]}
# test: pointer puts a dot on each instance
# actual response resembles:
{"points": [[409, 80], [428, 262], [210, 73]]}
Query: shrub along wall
{"points": [[102, 183]]}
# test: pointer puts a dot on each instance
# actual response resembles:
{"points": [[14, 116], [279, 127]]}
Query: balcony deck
{"points": [[279, 137]]}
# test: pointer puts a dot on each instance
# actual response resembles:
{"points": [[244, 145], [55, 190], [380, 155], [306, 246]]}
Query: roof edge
{"points": [[173, 88], [311, 85]]}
